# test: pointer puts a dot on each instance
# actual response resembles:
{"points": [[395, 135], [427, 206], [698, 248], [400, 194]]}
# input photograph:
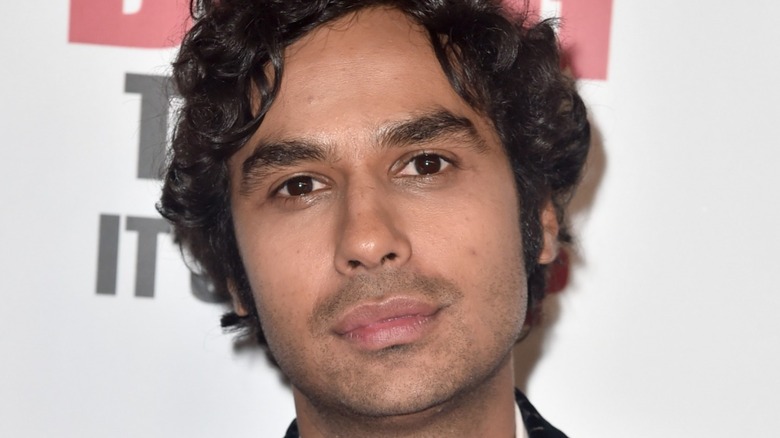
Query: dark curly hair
{"points": [[504, 64]]}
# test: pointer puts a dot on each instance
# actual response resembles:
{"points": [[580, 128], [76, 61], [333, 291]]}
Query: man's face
{"points": [[377, 219]]}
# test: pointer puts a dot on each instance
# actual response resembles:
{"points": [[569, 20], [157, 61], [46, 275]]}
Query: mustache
{"points": [[373, 287]]}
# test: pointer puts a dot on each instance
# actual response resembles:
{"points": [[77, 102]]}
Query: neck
{"points": [[485, 410]]}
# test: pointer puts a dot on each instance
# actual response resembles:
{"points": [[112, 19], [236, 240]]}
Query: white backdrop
{"points": [[668, 327]]}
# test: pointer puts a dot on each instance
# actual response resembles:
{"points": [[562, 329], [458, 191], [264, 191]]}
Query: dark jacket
{"points": [[535, 424]]}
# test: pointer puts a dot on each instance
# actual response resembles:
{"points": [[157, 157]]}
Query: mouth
{"points": [[393, 322]]}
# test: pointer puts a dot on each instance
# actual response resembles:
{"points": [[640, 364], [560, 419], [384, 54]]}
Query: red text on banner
{"points": [[585, 32], [157, 24]]}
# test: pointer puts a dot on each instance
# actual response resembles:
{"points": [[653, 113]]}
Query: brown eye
{"points": [[424, 164], [427, 164], [298, 186]]}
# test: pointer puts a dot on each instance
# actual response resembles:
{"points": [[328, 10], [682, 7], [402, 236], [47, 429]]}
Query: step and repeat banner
{"points": [[667, 324]]}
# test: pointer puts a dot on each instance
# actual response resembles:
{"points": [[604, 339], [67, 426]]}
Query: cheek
{"points": [[478, 231], [485, 252], [286, 267], [479, 248]]}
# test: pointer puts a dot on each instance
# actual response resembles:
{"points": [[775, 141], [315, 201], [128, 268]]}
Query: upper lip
{"points": [[366, 314]]}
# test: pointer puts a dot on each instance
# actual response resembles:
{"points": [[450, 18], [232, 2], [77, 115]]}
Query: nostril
{"points": [[354, 264]]}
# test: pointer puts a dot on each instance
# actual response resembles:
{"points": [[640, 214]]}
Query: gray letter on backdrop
{"points": [[146, 260], [156, 93]]}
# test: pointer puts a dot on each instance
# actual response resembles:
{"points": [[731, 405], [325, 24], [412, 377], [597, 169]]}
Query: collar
{"points": [[520, 431]]}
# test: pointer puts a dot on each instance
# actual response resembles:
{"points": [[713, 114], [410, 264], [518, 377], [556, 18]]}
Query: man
{"points": [[378, 185]]}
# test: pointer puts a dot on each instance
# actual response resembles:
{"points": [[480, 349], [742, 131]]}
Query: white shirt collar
{"points": [[520, 431]]}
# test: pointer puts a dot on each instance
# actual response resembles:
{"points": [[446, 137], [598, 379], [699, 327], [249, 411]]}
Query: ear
{"points": [[550, 227], [237, 306]]}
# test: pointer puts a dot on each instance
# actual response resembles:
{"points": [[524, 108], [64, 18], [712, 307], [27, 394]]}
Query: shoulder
{"points": [[292, 431], [535, 424]]}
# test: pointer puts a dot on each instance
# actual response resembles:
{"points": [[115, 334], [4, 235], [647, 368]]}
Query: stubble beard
{"points": [[407, 379]]}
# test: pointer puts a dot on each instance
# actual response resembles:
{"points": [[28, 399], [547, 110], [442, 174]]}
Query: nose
{"points": [[371, 234]]}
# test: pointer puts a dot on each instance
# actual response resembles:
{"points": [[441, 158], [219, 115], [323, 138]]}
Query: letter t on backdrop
{"points": [[157, 24]]}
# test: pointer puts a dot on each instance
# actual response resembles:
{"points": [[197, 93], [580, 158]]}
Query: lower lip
{"points": [[390, 333]]}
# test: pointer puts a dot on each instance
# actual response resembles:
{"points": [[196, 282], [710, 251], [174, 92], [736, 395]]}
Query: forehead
{"points": [[357, 73]]}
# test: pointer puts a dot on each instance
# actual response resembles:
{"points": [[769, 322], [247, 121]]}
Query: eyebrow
{"points": [[429, 127], [271, 155]]}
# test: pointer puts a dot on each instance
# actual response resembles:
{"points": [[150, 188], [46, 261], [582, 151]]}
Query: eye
{"points": [[425, 164], [298, 186]]}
